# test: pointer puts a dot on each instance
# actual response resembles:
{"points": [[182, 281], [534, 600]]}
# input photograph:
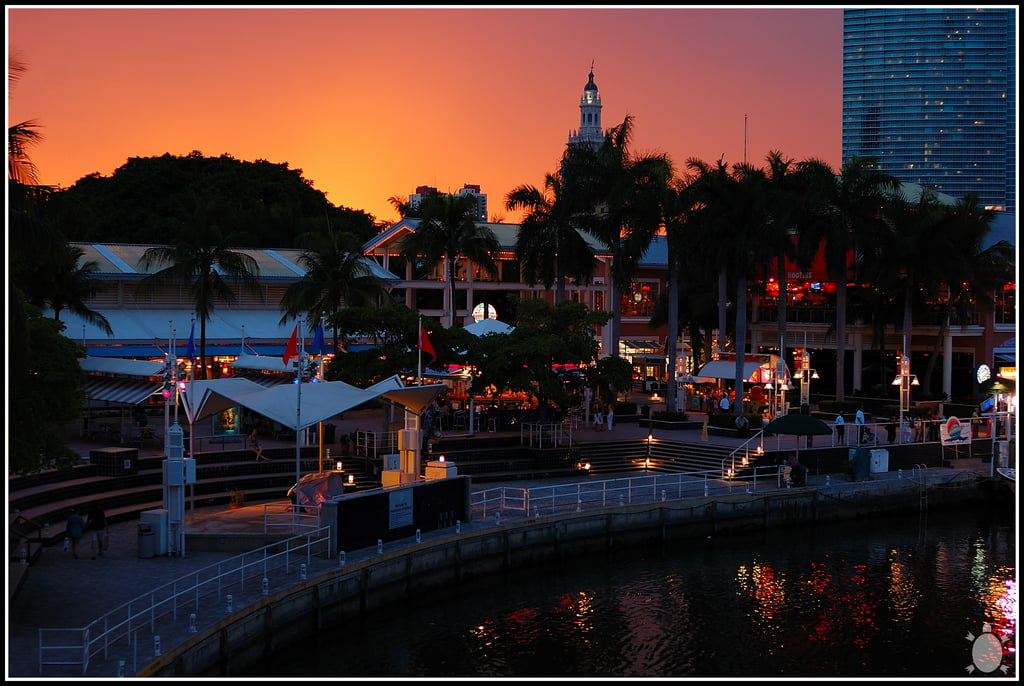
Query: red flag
{"points": [[425, 345], [292, 349]]}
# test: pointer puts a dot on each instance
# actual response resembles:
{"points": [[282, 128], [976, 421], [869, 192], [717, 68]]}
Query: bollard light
{"points": [[419, 536], [156, 645], [266, 586], [380, 546], [302, 571], [458, 526], [192, 623], [341, 558], [120, 668], [231, 603]]}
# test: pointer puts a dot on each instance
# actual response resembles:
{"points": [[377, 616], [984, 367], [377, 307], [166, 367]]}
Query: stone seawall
{"points": [[251, 635]]}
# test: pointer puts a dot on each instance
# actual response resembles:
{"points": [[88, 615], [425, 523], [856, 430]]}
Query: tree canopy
{"points": [[275, 203]]}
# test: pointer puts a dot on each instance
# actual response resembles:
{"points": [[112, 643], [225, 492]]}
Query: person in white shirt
{"points": [[859, 421], [724, 402], [840, 429]]}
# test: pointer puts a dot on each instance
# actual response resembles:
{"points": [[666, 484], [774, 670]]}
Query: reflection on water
{"points": [[866, 599]]}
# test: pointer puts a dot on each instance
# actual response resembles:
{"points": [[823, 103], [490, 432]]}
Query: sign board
{"points": [[954, 432]]}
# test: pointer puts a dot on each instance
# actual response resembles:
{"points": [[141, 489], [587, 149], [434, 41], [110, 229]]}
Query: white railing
{"points": [[649, 488], [199, 598], [537, 435], [283, 515], [371, 443]]}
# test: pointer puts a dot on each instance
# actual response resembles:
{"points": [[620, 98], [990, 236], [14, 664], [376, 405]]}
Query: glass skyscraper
{"points": [[931, 94]]}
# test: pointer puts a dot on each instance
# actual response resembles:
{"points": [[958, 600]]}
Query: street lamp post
{"points": [[904, 379], [650, 437], [806, 374]]}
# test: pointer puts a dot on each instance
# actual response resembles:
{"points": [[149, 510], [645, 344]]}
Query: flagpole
{"points": [[298, 419], [419, 352], [318, 340], [189, 411]]}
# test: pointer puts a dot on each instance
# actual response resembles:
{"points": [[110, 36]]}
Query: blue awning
{"points": [[126, 391], [152, 351]]}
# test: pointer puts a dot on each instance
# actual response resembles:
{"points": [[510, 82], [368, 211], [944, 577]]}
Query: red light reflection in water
{"points": [[1000, 599]]}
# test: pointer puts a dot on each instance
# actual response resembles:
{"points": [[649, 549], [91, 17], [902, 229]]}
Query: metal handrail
{"points": [[119, 628], [649, 488]]}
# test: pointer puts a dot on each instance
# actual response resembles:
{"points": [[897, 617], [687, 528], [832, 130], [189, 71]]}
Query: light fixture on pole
{"points": [[806, 374], [650, 437], [904, 379], [779, 380]]}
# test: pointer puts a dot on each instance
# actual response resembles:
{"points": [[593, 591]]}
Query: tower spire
{"points": [[590, 130]]}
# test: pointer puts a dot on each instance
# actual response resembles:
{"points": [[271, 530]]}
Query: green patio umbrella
{"points": [[798, 425]]}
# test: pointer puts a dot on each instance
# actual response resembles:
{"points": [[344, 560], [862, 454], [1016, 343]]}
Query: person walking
{"points": [[840, 429], [74, 529], [858, 419], [609, 416], [254, 442], [96, 524]]}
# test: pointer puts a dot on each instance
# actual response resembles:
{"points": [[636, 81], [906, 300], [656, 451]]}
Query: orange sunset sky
{"points": [[371, 102]]}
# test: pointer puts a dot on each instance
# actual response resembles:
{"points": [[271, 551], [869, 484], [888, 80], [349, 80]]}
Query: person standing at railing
{"points": [[858, 419], [840, 429]]}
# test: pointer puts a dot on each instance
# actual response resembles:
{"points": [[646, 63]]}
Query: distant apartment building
{"points": [[467, 189], [931, 93]]}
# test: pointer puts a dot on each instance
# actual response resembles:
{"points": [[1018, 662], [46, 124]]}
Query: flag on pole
{"points": [[190, 351], [292, 349], [425, 345], [318, 339]]}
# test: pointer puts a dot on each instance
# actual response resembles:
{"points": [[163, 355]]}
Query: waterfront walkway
{"points": [[61, 592]]}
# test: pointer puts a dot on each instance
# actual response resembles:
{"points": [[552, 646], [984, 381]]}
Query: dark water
{"points": [[867, 599]]}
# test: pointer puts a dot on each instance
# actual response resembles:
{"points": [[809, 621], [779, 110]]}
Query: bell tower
{"points": [[590, 130]]}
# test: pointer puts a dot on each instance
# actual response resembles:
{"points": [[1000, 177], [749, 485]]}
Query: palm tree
{"points": [[972, 274], [70, 285], [851, 209], [675, 209], [906, 255], [337, 275], [749, 213], [548, 246], [447, 231], [790, 201], [201, 260], [710, 189], [615, 196]]}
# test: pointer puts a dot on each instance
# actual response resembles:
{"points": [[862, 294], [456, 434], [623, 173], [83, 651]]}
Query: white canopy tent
{"points": [[283, 403], [120, 365], [754, 371], [488, 326], [266, 363]]}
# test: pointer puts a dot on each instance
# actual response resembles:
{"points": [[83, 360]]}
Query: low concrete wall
{"points": [[253, 634]]}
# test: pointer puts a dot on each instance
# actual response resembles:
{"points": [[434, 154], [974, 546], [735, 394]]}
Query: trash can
{"points": [[147, 541]]}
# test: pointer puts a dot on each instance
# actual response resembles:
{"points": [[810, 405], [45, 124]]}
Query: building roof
{"points": [[124, 260]]}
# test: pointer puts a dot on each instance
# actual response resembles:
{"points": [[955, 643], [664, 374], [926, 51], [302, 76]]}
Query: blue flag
{"points": [[318, 339], [190, 351]]}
